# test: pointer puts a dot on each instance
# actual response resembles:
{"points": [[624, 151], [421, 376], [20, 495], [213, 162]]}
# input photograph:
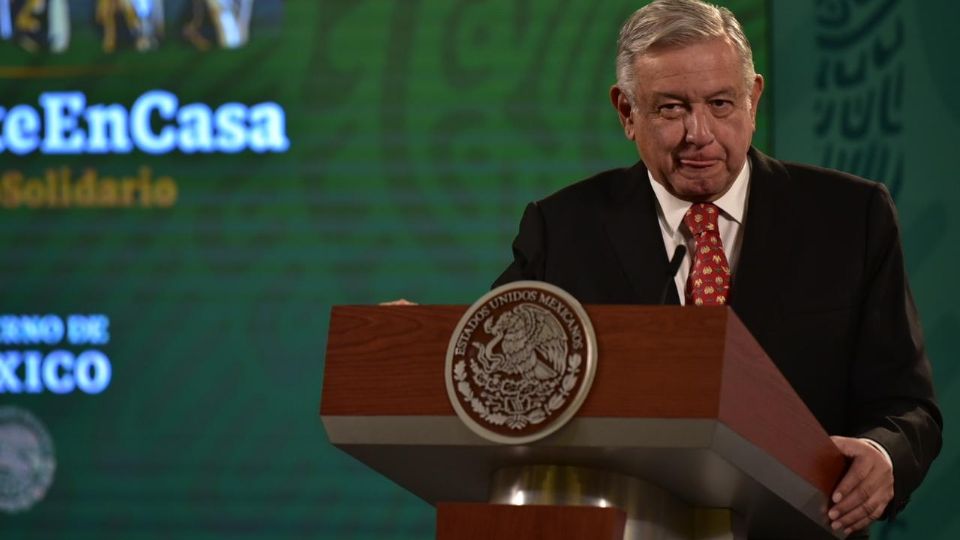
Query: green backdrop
{"points": [[871, 88], [417, 132]]}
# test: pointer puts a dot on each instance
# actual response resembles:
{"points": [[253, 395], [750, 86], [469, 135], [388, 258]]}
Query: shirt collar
{"points": [[733, 203]]}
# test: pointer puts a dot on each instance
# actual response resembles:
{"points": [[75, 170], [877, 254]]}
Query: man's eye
{"points": [[671, 110], [721, 103]]}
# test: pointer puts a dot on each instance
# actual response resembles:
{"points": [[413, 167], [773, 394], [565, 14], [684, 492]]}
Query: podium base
{"points": [[651, 512], [478, 521]]}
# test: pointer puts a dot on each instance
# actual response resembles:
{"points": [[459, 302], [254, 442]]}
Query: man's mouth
{"points": [[698, 163]]}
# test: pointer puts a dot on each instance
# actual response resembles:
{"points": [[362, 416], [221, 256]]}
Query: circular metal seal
{"points": [[520, 362], [27, 462]]}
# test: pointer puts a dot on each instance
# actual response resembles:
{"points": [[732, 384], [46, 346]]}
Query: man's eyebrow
{"points": [[722, 92], [669, 95], [728, 91]]}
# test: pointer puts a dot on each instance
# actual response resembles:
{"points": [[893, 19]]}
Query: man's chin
{"points": [[699, 189]]}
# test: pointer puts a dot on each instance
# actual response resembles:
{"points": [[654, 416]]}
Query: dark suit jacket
{"points": [[820, 283]]}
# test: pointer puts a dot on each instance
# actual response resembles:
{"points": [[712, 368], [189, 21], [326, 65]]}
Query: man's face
{"points": [[693, 117]]}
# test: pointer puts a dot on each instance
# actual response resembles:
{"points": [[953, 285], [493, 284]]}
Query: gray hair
{"points": [[671, 23]]}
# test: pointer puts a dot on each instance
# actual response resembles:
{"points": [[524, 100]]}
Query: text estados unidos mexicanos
{"points": [[567, 317]]}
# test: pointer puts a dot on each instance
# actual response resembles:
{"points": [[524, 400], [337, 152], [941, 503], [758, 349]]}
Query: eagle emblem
{"points": [[531, 341], [519, 360]]}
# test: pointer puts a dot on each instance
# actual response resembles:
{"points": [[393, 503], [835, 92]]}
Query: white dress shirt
{"points": [[733, 208]]}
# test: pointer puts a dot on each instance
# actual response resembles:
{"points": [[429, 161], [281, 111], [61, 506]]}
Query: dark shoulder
{"points": [[827, 184], [830, 181], [597, 191], [819, 188]]}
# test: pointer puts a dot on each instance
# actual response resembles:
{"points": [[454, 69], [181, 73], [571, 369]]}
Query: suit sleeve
{"points": [[529, 249], [892, 399]]}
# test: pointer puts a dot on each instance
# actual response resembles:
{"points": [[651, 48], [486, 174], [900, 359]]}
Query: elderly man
{"points": [[809, 258]]}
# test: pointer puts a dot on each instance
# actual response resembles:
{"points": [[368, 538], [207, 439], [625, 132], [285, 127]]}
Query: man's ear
{"points": [[624, 109], [755, 94]]}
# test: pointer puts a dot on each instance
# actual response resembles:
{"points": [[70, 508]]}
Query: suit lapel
{"points": [[768, 226], [633, 229]]}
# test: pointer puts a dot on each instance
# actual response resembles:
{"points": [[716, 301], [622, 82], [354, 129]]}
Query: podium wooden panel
{"points": [[683, 397]]}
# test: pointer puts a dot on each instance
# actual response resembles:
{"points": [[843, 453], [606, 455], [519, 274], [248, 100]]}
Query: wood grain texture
{"points": [[476, 521], [758, 403], [654, 362], [388, 360]]}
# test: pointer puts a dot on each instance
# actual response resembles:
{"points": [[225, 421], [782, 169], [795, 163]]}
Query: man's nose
{"points": [[699, 130]]}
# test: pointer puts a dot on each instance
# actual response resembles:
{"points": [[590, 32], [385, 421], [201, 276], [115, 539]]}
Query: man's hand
{"points": [[864, 492], [400, 302]]}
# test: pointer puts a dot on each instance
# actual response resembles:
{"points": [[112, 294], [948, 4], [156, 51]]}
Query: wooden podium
{"points": [[684, 402]]}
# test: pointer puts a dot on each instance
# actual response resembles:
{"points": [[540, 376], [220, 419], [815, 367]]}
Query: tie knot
{"points": [[702, 217]]}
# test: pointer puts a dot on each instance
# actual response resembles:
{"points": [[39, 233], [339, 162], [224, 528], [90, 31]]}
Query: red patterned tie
{"points": [[709, 279]]}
